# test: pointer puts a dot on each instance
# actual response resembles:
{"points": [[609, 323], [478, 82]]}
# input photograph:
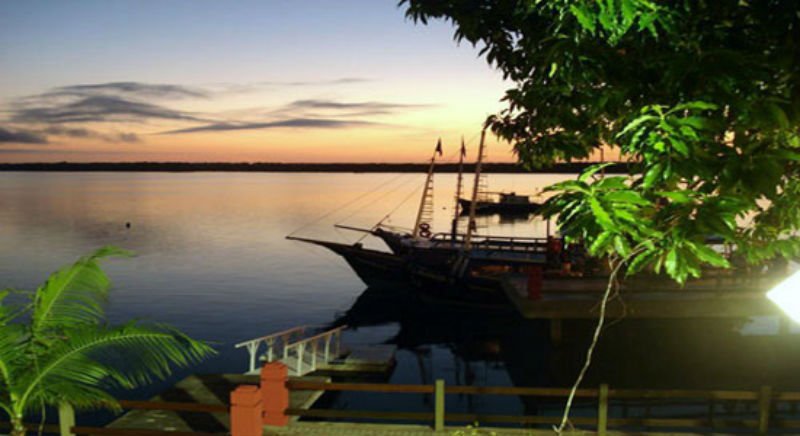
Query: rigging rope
{"points": [[349, 203], [370, 192]]}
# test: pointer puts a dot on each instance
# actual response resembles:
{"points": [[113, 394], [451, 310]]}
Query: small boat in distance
{"points": [[507, 203]]}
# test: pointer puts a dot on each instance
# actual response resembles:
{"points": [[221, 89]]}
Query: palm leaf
{"points": [[92, 358], [73, 294]]}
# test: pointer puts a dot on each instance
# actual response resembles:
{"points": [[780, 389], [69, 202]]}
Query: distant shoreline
{"points": [[510, 168]]}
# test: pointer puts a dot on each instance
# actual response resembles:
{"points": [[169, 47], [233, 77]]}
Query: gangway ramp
{"points": [[306, 349]]}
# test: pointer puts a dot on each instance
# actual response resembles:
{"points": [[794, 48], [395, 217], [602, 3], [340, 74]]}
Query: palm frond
{"points": [[93, 357], [12, 358], [73, 294]]}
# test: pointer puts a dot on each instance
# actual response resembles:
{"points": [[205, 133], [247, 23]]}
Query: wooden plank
{"points": [[135, 432], [521, 391], [516, 419], [682, 394], [174, 406], [361, 414], [359, 387]]}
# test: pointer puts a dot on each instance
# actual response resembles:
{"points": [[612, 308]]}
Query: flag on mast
{"points": [[463, 148], [439, 147]]}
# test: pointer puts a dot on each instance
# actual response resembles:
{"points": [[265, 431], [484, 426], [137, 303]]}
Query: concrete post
{"points": [[66, 419], [274, 393], [438, 409], [246, 411]]}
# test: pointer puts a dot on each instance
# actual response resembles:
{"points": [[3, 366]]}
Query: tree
{"points": [[57, 349], [701, 96]]}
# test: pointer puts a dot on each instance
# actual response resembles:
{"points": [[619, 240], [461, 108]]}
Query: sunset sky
{"points": [[196, 80]]}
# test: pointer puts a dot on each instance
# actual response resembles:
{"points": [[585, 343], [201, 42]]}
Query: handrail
{"points": [[274, 335], [283, 337], [330, 332], [299, 348], [764, 399]]}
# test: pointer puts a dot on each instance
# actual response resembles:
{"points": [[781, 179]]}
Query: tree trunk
{"points": [[17, 428]]}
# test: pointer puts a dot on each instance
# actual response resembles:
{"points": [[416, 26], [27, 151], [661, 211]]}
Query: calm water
{"points": [[212, 260]]}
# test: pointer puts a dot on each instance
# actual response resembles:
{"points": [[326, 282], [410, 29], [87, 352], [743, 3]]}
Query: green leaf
{"points": [[709, 255], [636, 123], [601, 215], [592, 170], [599, 245], [584, 17]]}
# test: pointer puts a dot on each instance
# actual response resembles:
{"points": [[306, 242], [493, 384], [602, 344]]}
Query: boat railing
{"points": [[500, 243], [325, 346], [275, 343]]}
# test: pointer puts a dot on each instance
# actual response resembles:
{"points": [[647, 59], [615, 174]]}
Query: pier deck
{"points": [[352, 429], [208, 389], [579, 298]]}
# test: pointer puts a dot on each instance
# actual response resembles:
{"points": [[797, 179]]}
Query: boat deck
{"points": [[579, 298]]}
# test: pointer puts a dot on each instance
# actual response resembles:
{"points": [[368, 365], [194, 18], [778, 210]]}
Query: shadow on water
{"points": [[500, 348]]}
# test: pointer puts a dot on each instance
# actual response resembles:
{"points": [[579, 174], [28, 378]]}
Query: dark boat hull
{"points": [[435, 280], [490, 207]]}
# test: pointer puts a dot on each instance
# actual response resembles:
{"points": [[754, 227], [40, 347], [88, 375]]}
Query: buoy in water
{"points": [[127, 225]]}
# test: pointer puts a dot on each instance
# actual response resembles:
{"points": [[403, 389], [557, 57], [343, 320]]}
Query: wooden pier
{"points": [[304, 351], [579, 298], [204, 404]]}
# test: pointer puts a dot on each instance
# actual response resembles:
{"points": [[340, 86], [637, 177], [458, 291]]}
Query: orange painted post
{"points": [[246, 411], [274, 393], [535, 283]]}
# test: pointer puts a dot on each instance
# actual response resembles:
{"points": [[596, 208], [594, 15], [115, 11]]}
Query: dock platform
{"points": [[208, 389], [579, 298]]}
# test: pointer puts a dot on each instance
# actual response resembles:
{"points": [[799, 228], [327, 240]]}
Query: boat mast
{"points": [[425, 212], [471, 221], [457, 209]]}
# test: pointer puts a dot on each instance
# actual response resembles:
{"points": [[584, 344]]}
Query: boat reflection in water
{"points": [[469, 345]]}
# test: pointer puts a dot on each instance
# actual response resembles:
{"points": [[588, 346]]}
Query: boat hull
{"points": [[490, 207]]}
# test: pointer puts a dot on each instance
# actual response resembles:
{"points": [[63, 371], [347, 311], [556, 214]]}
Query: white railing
{"points": [[326, 346], [276, 344]]}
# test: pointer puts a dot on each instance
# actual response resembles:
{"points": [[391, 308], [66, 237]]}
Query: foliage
{"points": [[58, 348], [702, 96]]}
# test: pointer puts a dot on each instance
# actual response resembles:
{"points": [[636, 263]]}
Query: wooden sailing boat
{"points": [[450, 265]]}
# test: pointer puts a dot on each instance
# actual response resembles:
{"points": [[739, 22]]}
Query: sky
{"points": [[268, 80]]}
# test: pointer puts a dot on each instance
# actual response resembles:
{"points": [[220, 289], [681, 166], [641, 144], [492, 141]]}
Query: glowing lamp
{"points": [[787, 296]]}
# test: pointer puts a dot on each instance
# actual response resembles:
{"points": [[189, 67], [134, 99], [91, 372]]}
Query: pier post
{"points": [[66, 419], [535, 283], [438, 410], [602, 410], [246, 411], [764, 400], [274, 393]]}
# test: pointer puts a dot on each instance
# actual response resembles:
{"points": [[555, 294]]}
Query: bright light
{"points": [[787, 296]]}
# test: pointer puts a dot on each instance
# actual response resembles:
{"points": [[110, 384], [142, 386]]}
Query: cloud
{"points": [[21, 137], [98, 108], [368, 107], [339, 81], [79, 132], [140, 89], [317, 123]]}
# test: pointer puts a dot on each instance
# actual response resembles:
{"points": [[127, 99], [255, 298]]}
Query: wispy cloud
{"points": [[138, 89], [339, 81], [99, 108], [361, 108], [316, 123], [80, 132], [21, 137]]}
